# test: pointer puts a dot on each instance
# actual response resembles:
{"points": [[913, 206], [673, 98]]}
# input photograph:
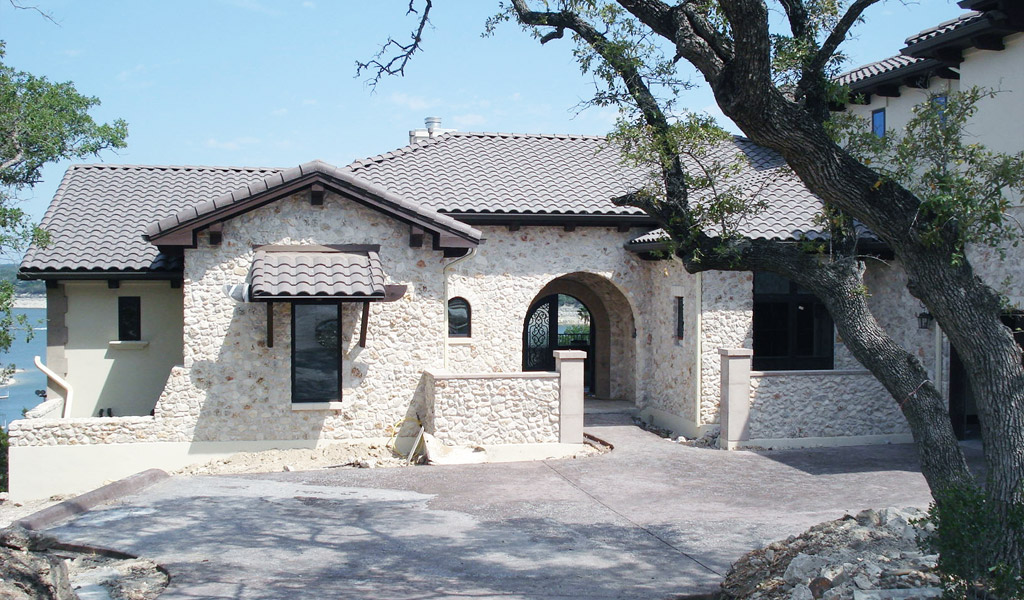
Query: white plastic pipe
{"points": [[68, 392]]}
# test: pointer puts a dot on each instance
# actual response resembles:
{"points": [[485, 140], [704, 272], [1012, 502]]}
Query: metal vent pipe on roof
{"points": [[432, 123]]}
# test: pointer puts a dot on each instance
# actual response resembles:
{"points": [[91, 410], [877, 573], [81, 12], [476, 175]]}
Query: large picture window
{"points": [[316, 353], [792, 328]]}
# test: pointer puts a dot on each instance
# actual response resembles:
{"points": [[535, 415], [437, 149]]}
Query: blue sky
{"points": [[272, 83]]}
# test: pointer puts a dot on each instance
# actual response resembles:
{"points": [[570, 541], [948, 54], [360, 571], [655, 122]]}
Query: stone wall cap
{"points": [[735, 352], [570, 354]]}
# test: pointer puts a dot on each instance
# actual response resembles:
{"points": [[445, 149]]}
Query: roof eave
{"points": [[99, 275]]}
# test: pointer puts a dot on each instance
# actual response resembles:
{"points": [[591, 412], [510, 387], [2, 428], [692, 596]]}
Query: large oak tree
{"points": [[777, 87]]}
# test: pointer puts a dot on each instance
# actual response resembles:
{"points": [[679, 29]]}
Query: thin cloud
{"points": [[468, 120], [412, 102], [235, 144]]}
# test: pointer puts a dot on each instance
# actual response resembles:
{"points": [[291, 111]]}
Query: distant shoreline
{"points": [[30, 302]]}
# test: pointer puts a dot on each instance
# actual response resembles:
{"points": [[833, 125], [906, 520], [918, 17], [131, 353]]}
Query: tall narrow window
{"points": [[459, 318], [878, 122], [792, 328], [316, 352], [940, 102], [129, 318], [680, 318]]}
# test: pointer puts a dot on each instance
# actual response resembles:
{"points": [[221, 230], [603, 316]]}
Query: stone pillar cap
{"points": [[570, 354], [735, 352]]}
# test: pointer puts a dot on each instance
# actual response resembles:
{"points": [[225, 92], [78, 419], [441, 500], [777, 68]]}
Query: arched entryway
{"points": [[587, 312], [558, 322]]}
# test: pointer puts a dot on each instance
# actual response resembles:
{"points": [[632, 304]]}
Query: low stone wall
{"points": [[802, 404], [82, 431], [50, 409], [781, 409], [492, 408]]}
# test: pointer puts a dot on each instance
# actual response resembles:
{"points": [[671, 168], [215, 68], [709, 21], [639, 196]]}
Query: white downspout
{"points": [[444, 298], [68, 392], [698, 360]]}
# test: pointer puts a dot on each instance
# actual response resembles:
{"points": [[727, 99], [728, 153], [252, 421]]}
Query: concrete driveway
{"points": [[651, 519]]}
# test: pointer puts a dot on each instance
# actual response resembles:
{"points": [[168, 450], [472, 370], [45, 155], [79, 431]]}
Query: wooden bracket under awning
{"points": [[391, 294]]}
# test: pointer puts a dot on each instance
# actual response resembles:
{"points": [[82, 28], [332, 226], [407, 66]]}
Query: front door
{"points": [[558, 322]]}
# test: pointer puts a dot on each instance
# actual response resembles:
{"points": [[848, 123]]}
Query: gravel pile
{"points": [[873, 556]]}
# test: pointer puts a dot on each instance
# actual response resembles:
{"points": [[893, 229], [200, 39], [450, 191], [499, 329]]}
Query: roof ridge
{"points": [[171, 167], [358, 163]]}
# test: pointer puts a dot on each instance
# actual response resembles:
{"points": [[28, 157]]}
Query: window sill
{"points": [[127, 345], [300, 406], [460, 341]]}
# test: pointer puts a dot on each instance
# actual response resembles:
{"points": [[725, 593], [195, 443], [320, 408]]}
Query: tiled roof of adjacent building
{"points": [[99, 213], [507, 173], [886, 65], [945, 27]]}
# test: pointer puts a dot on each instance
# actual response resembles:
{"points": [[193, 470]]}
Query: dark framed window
{"points": [[680, 318], [940, 102], [460, 318], [129, 318], [316, 352], [792, 328], [878, 122]]}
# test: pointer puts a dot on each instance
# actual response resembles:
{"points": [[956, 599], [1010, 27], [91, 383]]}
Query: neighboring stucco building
{"points": [[982, 48], [200, 311]]}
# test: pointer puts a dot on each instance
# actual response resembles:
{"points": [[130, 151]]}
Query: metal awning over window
{"points": [[339, 273], [321, 274]]}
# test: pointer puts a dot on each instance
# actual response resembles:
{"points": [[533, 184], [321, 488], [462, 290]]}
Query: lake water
{"points": [[21, 389]]}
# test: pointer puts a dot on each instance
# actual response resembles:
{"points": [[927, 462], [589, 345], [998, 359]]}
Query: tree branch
{"points": [[397, 63], [694, 38]]}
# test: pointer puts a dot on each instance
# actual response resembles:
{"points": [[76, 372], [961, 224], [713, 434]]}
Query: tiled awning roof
{"points": [[317, 272]]}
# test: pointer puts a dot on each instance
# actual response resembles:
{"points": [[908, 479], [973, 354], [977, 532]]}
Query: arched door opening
{"points": [[558, 322], [585, 311]]}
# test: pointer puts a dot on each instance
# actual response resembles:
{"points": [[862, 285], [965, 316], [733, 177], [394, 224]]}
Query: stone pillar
{"points": [[569, 364], [734, 407]]}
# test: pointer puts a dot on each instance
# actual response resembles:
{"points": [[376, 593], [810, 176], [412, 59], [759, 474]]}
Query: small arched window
{"points": [[459, 317]]}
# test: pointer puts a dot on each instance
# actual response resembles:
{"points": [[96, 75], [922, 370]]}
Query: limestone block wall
{"points": [[485, 409], [806, 404], [49, 409]]}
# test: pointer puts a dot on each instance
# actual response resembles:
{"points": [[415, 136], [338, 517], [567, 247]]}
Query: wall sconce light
{"points": [[924, 320]]}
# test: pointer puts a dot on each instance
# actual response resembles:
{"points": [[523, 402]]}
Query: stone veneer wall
{"points": [[728, 306], [482, 409], [802, 404], [512, 267]]}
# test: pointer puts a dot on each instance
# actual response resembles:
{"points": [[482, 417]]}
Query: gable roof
{"points": [[99, 214], [180, 228], [506, 174]]}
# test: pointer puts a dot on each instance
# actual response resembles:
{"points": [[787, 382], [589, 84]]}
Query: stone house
{"points": [[473, 285]]}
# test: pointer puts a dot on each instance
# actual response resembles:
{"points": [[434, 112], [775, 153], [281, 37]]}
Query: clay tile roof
{"points": [[945, 27], [394, 203], [882, 67], [99, 213], [792, 210], [298, 272], [506, 173]]}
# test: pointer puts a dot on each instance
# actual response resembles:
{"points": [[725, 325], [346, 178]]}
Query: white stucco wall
{"points": [[127, 378]]}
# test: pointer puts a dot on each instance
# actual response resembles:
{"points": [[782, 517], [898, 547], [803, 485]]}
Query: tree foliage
{"points": [[40, 122]]}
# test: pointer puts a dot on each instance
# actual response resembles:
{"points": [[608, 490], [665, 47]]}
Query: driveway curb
{"points": [[84, 502]]}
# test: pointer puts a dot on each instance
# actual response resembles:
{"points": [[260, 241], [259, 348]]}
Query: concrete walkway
{"points": [[652, 519]]}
